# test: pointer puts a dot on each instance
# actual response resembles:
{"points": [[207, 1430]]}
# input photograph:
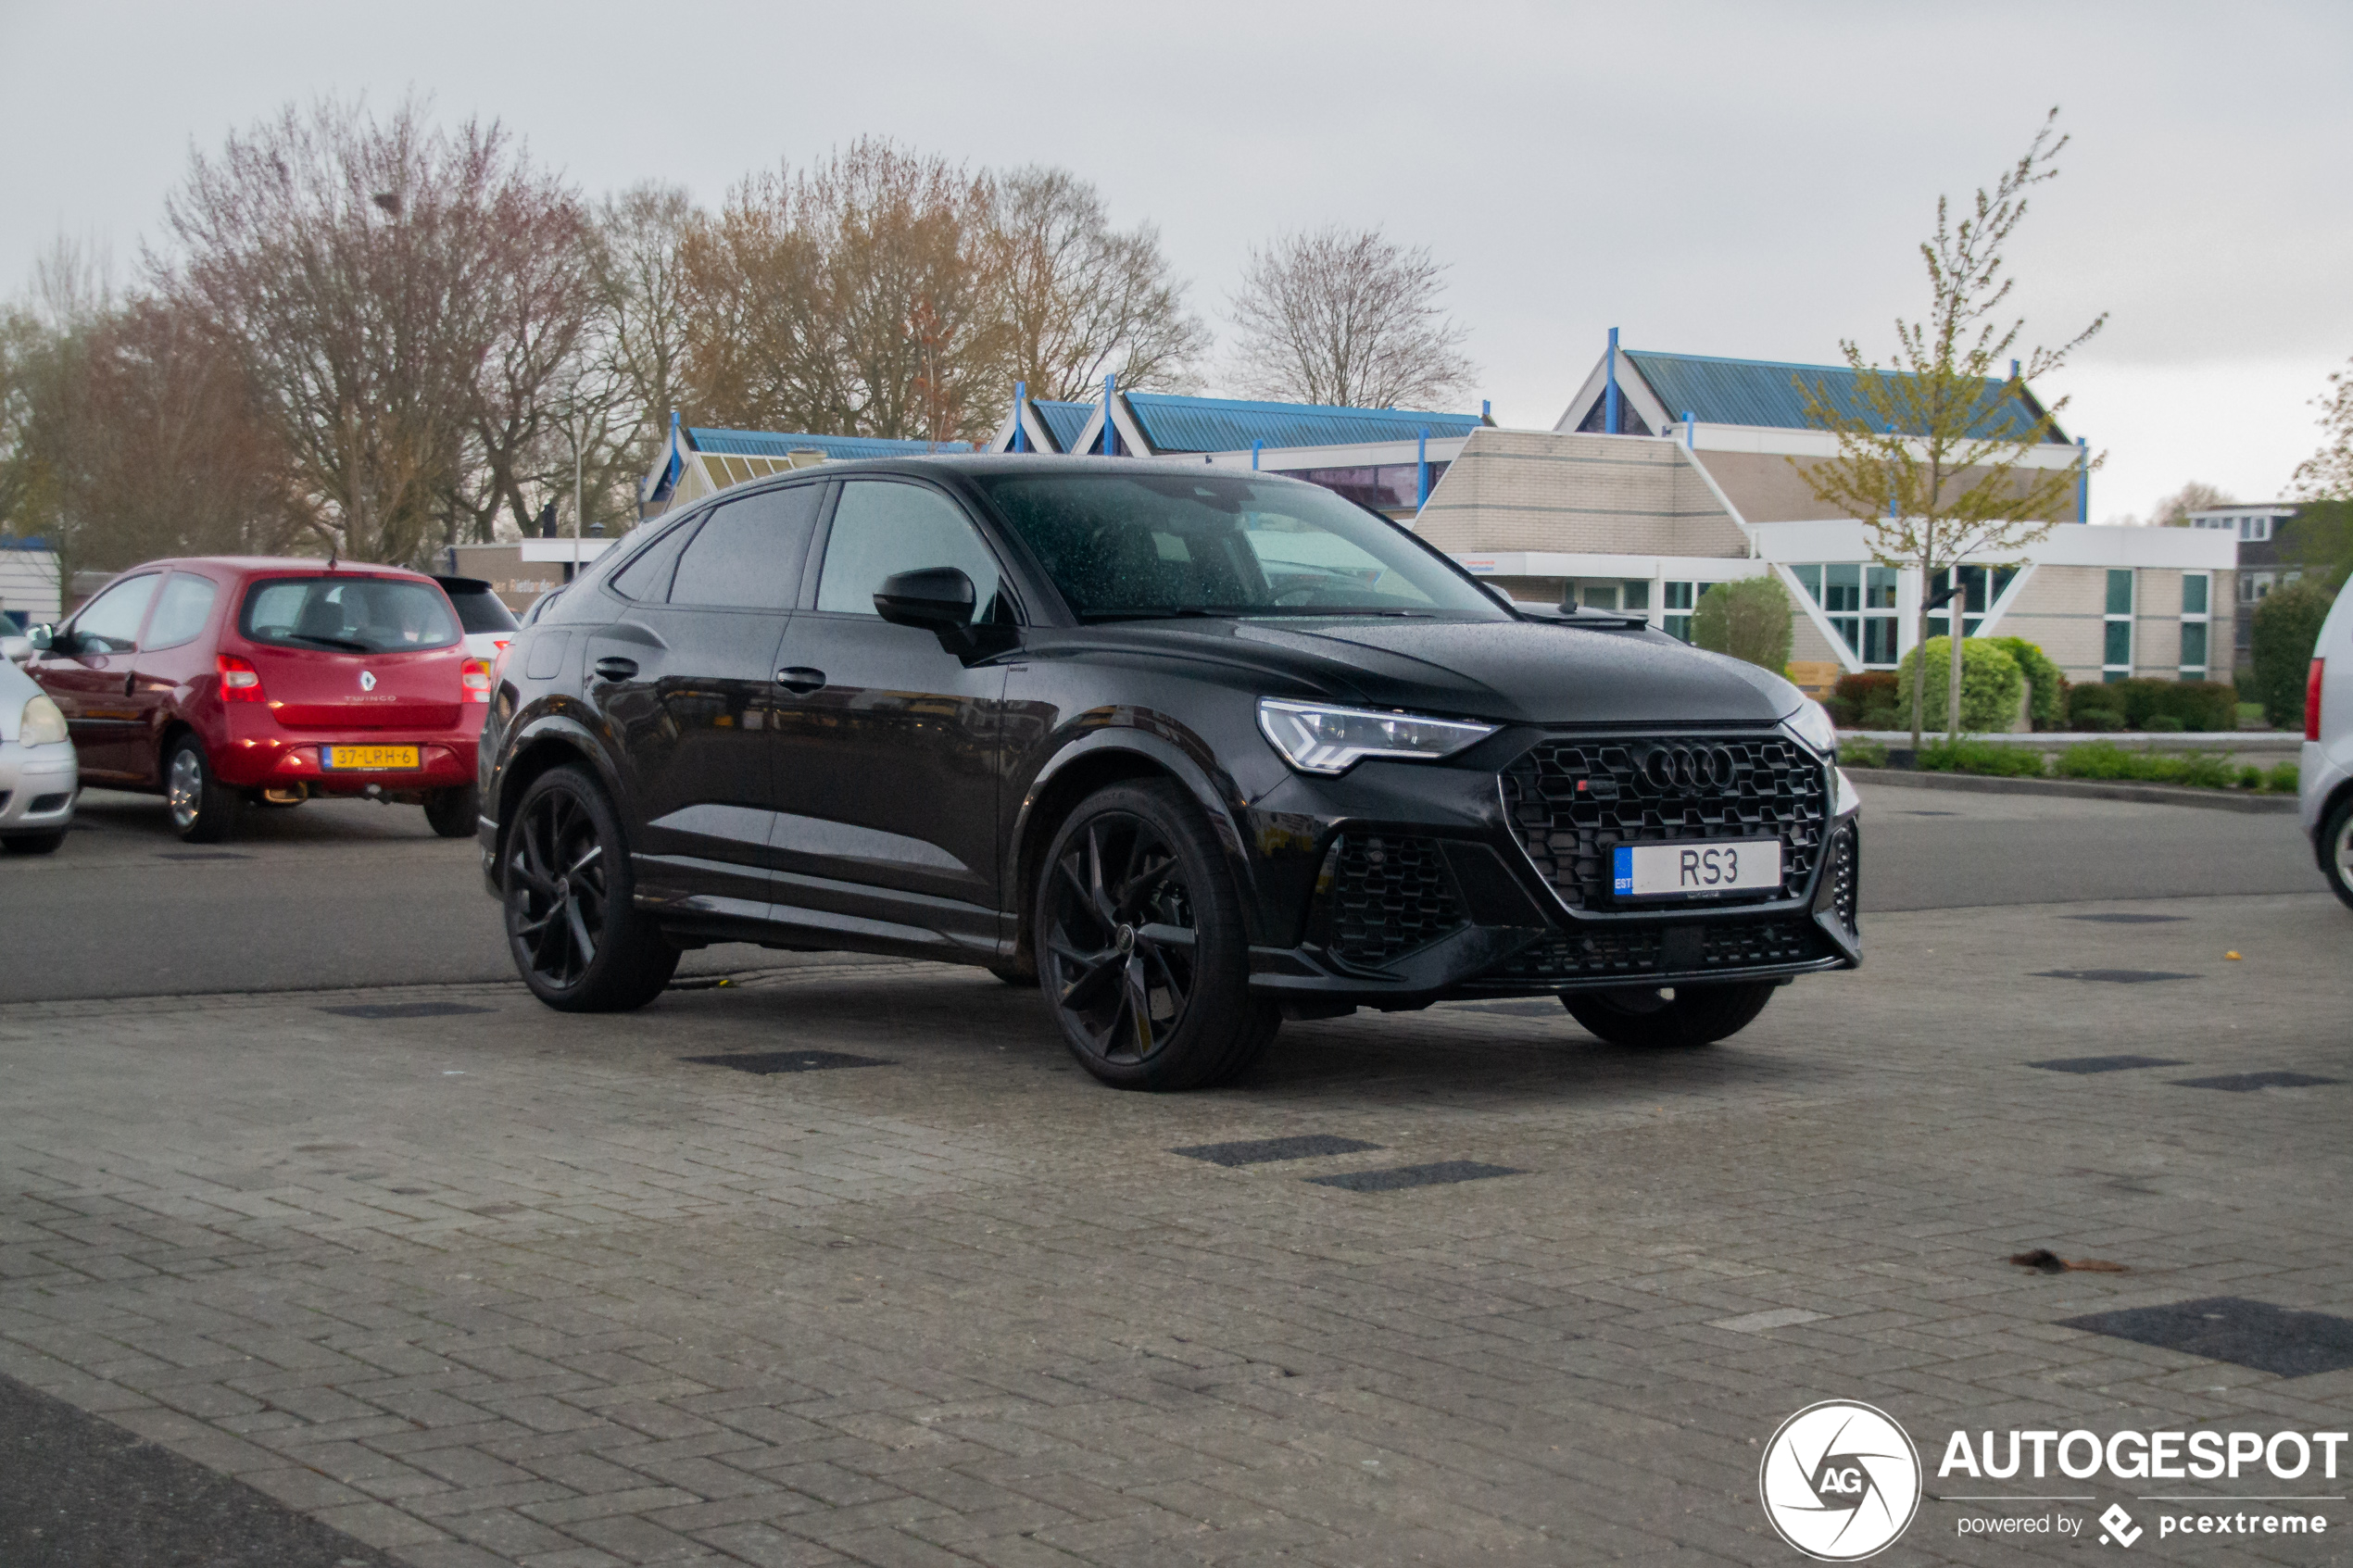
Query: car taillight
{"points": [[240, 681], [2312, 701], [475, 677]]}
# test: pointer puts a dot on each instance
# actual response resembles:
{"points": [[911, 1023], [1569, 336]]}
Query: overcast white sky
{"points": [[1732, 179]]}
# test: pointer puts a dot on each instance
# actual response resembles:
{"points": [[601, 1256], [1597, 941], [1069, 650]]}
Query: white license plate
{"points": [[1683, 870]]}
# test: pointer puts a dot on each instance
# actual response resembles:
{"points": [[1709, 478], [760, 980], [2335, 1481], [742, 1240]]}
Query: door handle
{"points": [[800, 681], [615, 667]]}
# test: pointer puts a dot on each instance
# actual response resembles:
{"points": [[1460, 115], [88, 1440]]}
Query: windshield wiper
{"points": [[1097, 616]]}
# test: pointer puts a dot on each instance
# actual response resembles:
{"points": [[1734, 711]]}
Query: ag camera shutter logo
{"points": [[1840, 1481]]}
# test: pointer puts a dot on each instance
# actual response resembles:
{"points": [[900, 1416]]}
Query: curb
{"points": [[2082, 789], [2249, 742]]}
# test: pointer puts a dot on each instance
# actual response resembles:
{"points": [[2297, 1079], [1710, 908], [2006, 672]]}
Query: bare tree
{"points": [[46, 346], [1346, 317], [181, 463], [367, 271], [850, 297], [638, 337], [2174, 511], [1081, 299], [1931, 454], [2327, 474]]}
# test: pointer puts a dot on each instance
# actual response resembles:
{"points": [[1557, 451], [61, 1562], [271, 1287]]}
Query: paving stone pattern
{"points": [[525, 1287]]}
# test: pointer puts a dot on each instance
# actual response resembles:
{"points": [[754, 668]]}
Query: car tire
{"points": [[1695, 1015], [1141, 950], [2336, 849], [203, 809], [33, 842], [572, 926], [452, 813]]}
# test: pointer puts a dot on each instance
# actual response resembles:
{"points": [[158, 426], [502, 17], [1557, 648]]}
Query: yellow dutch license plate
{"points": [[365, 759]]}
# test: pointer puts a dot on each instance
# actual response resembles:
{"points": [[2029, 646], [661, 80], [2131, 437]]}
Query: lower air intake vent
{"points": [[1635, 951], [1388, 896]]}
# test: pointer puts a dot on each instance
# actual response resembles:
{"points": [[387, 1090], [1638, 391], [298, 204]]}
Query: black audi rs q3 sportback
{"points": [[1196, 750]]}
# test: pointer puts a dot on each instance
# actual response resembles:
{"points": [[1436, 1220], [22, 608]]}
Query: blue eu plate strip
{"points": [[1623, 867]]}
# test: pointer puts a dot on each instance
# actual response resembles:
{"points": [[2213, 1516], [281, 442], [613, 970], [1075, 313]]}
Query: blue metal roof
{"points": [[1222, 424], [1065, 419], [1764, 392], [770, 443], [33, 542]]}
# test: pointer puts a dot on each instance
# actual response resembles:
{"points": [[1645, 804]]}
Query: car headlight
{"points": [[1315, 738], [41, 724], [1811, 723]]}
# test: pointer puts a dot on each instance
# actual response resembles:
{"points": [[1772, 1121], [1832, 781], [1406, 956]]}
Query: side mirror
{"points": [[42, 637], [938, 599]]}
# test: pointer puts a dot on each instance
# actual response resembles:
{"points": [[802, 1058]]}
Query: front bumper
{"points": [[1401, 885], [37, 786]]}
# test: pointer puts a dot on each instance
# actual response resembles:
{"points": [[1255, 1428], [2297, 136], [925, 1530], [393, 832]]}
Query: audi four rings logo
{"points": [[367, 680], [1671, 767]]}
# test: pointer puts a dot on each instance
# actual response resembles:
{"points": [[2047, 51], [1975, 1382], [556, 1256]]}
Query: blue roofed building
{"points": [[699, 462], [1385, 457]]}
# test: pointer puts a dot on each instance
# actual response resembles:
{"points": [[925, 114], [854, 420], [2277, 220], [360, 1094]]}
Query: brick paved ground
{"points": [[508, 1286]]}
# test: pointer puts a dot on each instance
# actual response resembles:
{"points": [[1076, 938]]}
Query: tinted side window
{"points": [[881, 527], [647, 578], [481, 610], [181, 611], [114, 616], [747, 555]]}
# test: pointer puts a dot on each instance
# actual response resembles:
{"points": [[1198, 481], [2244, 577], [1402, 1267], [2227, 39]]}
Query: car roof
{"points": [[254, 565], [991, 464]]}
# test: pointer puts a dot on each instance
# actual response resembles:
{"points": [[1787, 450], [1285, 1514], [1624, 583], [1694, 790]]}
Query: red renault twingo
{"points": [[224, 682]]}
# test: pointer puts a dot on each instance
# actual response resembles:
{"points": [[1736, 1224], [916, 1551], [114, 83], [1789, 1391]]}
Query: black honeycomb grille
{"points": [[1388, 896], [1572, 801], [1636, 951]]}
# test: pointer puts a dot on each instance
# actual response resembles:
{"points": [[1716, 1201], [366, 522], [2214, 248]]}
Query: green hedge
{"points": [[1980, 756], [2047, 683], [1991, 683], [2105, 760], [2286, 625], [2205, 706]]}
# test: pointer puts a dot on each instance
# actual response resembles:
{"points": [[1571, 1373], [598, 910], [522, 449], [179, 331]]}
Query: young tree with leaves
{"points": [[1346, 317], [1932, 453]]}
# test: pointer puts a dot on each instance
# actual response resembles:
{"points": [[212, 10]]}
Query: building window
{"points": [[2116, 655], [1600, 596], [1859, 602], [2196, 591], [1638, 596], [1675, 598], [2255, 528], [1388, 487], [1981, 586]]}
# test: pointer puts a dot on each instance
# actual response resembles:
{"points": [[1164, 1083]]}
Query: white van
{"points": [[2324, 775]]}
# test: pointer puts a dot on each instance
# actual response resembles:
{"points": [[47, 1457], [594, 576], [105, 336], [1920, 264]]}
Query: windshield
{"points": [[348, 614], [1121, 545]]}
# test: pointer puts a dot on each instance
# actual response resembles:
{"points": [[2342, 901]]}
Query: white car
{"points": [[482, 616], [39, 774], [2325, 772]]}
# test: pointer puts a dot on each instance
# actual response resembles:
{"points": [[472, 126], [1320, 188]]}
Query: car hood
{"points": [[1522, 672]]}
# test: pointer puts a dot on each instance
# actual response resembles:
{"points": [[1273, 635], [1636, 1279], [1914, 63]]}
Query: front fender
{"points": [[1102, 735]]}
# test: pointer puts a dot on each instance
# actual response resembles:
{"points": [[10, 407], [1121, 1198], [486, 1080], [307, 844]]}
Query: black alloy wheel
{"points": [[1141, 945], [1656, 1016], [576, 938]]}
